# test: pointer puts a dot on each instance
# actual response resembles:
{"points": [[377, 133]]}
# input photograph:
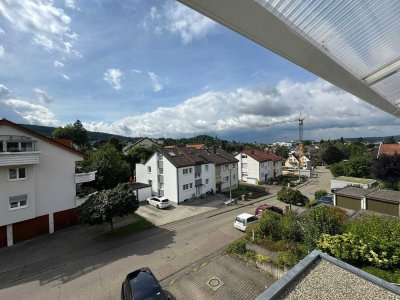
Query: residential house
{"points": [[38, 184], [292, 162], [183, 173], [257, 166], [388, 149], [144, 142], [197, 146]]}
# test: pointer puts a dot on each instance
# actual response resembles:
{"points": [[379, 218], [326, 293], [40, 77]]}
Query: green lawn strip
{"points": [[357, 180], [126, 229]]}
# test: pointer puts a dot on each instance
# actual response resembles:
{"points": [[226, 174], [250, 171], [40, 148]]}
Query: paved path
{"points": [[69, 265]]}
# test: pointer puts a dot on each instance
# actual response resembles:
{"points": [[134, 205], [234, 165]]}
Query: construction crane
{"points": [[300, 119]]}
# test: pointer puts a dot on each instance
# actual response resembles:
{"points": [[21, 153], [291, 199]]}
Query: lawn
{"points": [[257, 191], [129, 229], [356, 180]]}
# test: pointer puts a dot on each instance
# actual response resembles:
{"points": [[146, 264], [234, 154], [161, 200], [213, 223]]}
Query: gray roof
{"points": [[320, 276], [353, 192], [139, 185], [389, 195]]}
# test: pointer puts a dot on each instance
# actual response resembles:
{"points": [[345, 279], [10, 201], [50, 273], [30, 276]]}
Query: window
{"points": [[17, 202], [149, 169], [226, 167], [191, 185], [12, 147], [233, 166], [26, 146], [151, 182], [226, 179], [16, 173], [185, 187], [206, 181], [190, 170], [187, 171], [206, 168], [234, 176]]}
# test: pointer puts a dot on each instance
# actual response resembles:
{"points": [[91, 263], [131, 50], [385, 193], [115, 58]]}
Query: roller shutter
{"points": [[383, 207], [348, 202], [28, 229]]}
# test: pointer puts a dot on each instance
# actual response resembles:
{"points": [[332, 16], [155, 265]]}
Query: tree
{"points": [[355, 167], [291, 196], [322, 220], [319, 193], [111, 168], [138, 155], [75, 132], [390, 140], [116, 143], [108, 204], [387, 168], [332, 154], [282, 151]]}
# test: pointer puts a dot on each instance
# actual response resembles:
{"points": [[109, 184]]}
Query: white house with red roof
{"points": [[257, 166], [38, 184]]}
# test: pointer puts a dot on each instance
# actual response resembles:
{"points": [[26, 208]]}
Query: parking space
{"points": [[222, 277], [177, 212]]}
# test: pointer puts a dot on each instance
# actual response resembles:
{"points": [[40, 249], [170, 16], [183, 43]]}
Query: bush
{"points": [[291, 257], [263, 258], [269, 225], [390, 276], [289, 227], [257, 233], [236, 247], [312, 203], [291, 196], [250, 254], [319, 193], [320, 220]]}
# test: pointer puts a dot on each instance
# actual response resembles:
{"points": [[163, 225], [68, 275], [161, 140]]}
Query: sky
{"points": [[159, 69]]}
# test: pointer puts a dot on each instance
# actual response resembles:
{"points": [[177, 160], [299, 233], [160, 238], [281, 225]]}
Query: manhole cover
{"points": [[215, 283]]}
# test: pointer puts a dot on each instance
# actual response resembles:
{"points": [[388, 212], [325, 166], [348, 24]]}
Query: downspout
{"points": [[177, 179]]}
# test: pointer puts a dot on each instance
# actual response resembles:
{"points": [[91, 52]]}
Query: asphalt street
{"points": [[166, 250]]}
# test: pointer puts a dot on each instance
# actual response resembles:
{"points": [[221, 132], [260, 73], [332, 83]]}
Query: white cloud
{"points": [[42, 96], [58, 64], [136, 71], [155, 82], [70, 4], [178, 19], [66, 77], [18, 110], [2, 51], [113, 77], [48, 25], [249, 109], [2, 31]]}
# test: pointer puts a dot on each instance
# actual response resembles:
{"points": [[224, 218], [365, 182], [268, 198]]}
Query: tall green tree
{"points": [[387, 169], [282, 151], [332, 155], [75, 132], [108, 204], [110, 166], [291, 196], [138, 155]]}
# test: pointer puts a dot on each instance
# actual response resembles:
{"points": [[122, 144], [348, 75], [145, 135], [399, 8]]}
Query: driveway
{"points": [[177, 212], [230, 279]]}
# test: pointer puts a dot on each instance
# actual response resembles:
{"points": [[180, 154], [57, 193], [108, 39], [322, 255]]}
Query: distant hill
{"points": [[93, 136]]}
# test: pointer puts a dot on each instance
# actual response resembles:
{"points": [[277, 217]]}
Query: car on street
{"points": [[142, 284], [327, 199], [159, 202], [263, 207], [243, 221]]}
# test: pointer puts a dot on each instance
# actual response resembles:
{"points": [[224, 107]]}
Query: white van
{"points": [[242, 221]]}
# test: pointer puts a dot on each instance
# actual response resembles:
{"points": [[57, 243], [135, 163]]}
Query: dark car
{"points": [[327, 199], [264, 207], [142, 284]]}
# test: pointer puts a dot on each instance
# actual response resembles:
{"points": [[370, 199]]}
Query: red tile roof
{"points": [[389, 149], [196, 146], [263, 155]]}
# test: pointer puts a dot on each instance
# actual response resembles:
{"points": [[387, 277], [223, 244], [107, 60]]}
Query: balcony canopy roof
{"points": [[355, 44]]}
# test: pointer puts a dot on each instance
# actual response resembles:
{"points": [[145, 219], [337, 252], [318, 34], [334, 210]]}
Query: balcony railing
{"points": [[85, 177], [19, 158]]}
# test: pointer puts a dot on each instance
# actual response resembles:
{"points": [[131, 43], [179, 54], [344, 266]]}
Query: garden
{"points": [[371, 243]]}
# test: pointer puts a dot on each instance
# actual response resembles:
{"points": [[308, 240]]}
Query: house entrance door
{"points": [[198, 191]]}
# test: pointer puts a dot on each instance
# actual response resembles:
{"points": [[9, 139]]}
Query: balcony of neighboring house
{"points": [[18, 150], [83, 175], [83, 193]]}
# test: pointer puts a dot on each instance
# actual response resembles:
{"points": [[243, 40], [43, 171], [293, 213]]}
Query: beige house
{"points": [[144, 142], [293, 162]]}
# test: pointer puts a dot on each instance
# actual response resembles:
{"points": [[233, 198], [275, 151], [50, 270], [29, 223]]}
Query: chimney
{"points": [[252, 151], [215, 150]]}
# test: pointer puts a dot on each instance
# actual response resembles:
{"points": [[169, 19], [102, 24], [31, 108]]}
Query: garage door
{"points": [[65, 218], [383, 207], [28, 229], [3, 236], [348, 202]]}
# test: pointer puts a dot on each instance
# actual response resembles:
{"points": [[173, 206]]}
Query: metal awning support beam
{"points": [[253, 21], [383, 73]]}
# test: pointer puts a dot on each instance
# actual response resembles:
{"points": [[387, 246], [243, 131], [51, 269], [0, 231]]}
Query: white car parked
{"points": [[242, 221], [159, 202]]}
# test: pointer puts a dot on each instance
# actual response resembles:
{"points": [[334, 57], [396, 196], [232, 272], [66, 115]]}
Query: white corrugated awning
{"points": [[353, 44]]}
